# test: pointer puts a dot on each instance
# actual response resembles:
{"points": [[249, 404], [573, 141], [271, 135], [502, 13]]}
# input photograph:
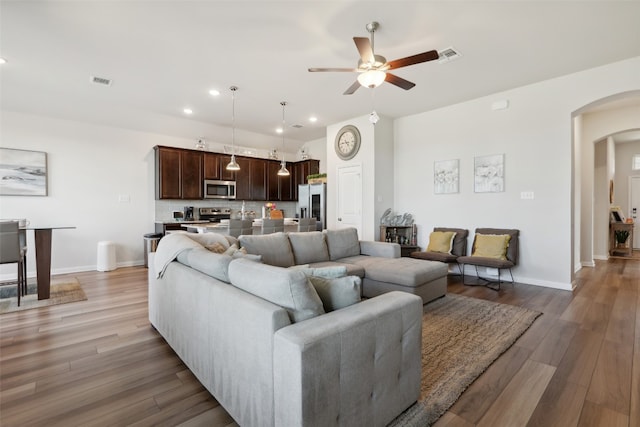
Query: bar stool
{"points": [[12, 252], [272, 225]]}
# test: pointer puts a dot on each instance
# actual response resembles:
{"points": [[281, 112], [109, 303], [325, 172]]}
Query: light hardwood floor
{"points": [[98, 362]]}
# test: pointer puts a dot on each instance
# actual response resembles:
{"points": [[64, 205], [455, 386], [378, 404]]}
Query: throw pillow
{"points": [[326, 272], [441, 241], [491, 246], [337, 293], [274, 248], [342, 243], [288, 288], [309, 247]]}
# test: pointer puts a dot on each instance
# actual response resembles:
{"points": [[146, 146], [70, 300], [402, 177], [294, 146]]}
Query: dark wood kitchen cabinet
{"points": [[278, 187], [179, 173], [258, 179], [300, 170], [215, 167]]}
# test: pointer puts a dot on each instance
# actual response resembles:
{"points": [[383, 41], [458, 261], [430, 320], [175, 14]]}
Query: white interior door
{"points": [[634, 208], [350, 197]]}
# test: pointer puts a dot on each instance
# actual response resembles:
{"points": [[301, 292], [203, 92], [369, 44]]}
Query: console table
{"points": [[613, 243]]}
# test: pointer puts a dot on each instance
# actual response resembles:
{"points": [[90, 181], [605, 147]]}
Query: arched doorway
{"points": [[600, 121]]}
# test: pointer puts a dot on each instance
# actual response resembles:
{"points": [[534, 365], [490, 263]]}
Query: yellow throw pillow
{"points": [[441, 241], [491, 246]]}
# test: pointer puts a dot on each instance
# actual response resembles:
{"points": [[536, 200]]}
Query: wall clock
{"points": [[347, 142]]}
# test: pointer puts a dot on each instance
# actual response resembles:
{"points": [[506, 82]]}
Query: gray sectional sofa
{"points": [[288, 363], [263, 339]]}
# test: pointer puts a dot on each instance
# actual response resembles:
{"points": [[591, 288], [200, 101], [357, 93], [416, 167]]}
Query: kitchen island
{"points": [[290, 225]]}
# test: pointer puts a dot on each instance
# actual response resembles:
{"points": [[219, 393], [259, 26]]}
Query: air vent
{"points": [[448, 54], [297, 126], [101, 81]]}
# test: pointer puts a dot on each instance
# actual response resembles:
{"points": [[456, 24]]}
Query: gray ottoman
{"points": [[427, 279]]}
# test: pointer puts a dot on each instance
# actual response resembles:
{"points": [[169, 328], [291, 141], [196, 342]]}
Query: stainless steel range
{"points": [[214, 214]]}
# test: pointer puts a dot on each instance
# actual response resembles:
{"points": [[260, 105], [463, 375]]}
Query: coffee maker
{"points": [[188, 213]]}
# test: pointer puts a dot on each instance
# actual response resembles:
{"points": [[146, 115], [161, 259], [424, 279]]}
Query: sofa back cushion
{"points": [[309, 247], [210, 263], [288, 288], [274, 248], [342, 243]]}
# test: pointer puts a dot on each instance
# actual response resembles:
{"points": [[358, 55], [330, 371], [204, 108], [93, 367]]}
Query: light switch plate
{"points": [[124, 198], [526, 195]]}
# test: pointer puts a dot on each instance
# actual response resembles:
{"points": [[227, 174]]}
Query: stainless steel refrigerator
{"points": [[312, 202]]}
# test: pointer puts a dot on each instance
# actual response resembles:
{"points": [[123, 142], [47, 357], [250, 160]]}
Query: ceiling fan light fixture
{"points": [[372, 78]]}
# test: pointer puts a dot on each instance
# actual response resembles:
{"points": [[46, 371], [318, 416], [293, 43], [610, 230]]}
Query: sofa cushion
{"points": [[274, 248], [337, 293], [403, 271], [210, 263], [285, 287], [309, 247], [342, 243]]}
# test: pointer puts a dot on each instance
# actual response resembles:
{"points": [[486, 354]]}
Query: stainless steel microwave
{"points": [[219, 189]]}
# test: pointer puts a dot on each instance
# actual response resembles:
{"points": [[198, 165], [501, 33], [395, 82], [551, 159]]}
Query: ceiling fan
{"points": [[374, 69]]}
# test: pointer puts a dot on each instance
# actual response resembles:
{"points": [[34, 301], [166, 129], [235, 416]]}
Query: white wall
{"points": [[317, 149], [535, 134], [89, 167], [376, 157]]}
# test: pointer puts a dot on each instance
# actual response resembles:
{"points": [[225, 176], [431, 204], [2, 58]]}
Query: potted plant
{"points": [[621, 237], [317, 178]]}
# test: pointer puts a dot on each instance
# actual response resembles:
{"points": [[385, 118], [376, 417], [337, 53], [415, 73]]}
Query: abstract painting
{"points": [[489, 174], [446, 176], [23, 173]]}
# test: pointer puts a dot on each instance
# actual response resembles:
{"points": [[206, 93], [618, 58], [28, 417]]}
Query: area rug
{"points": [[62, 292], [461, 338]]}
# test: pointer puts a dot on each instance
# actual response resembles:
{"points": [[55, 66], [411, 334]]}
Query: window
{"points": [[636, 162]]}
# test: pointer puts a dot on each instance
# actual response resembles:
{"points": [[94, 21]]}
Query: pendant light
{"points": [[283, 169], [233, 166]]}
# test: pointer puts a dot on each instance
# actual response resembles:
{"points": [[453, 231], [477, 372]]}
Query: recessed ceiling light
{"points": [[188, 111], [279, 130], [3, 61], [214, 92], [313, 119]]}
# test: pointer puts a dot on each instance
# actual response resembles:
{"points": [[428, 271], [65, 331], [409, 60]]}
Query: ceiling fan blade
{"points": [[364, 47], [414, 59], [352, 88], [314, 70], [399, 81]]}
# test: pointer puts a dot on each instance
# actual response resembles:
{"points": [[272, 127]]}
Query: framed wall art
{"points": [[446, 176], [23, 172], [489, 174]]}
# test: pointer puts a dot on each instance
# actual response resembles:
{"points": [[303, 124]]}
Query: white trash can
{"points": [[106, 256]]}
